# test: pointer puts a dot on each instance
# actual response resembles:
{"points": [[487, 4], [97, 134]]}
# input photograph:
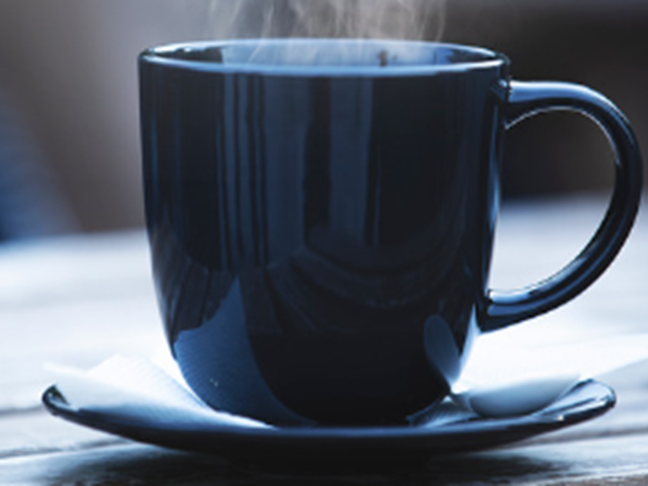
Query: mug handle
{"points": [[526, 99]]}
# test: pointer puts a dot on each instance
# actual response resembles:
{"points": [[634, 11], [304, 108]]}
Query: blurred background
{"points": [[69, 136]]}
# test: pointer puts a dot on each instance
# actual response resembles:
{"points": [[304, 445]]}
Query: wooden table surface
{"points": [[76, 301]]}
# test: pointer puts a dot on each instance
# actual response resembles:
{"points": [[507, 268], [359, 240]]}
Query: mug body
{"points": [[321, 216]]}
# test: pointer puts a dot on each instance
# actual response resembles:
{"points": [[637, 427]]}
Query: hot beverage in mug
{"points": [[321, 217]]}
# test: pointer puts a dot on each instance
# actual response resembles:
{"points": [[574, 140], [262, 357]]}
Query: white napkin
{"points": [[525, 353], [139, 390], [510, 363], [524, 369]]}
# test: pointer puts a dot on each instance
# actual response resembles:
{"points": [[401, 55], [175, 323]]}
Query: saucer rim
{"points": [[462, 436]]}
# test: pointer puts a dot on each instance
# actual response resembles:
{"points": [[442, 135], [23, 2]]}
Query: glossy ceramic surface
{"points": [[321, 216], [451, 430]]}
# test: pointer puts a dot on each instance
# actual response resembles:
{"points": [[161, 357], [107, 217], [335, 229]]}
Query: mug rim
{"points": [[171, 55]]}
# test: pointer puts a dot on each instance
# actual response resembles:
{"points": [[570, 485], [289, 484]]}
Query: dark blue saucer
{"points": [[457, 432]]}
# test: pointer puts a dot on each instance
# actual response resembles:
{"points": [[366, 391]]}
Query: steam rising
{"points": [[376, 19]]}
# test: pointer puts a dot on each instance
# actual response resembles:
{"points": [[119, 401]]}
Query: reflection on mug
{"points": [[264, 341]]}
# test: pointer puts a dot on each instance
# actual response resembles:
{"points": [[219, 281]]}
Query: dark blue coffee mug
{"points": [[321, 217]]}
